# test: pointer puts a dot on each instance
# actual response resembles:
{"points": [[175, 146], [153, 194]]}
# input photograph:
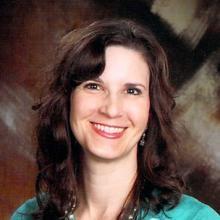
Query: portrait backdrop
{"points": [[189, 31]]}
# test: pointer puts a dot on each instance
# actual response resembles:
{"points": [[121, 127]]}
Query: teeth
{"points": [[108, 129]]}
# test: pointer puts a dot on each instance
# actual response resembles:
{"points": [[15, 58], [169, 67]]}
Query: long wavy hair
{"points": [[82, 57]]}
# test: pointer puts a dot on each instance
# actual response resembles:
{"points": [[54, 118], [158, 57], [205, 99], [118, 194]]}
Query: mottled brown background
{"points": [[190, 32]]}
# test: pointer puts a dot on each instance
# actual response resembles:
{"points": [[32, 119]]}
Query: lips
{"points": [[108, 131]]}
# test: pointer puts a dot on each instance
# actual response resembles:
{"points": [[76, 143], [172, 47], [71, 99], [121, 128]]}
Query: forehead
{"points": [[123, 62]]}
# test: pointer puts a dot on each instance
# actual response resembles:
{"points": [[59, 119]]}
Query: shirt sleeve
{"points": [[25, 211], [207, 213]]}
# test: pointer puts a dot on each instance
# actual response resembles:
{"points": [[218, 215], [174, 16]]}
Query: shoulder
{"points": [[190, 208], [25, 210]]}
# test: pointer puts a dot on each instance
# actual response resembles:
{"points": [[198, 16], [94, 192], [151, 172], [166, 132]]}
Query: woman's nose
{"points": [[112, 106]]}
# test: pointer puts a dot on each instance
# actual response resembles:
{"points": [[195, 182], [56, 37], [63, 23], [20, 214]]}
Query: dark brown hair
{"points": [[82, 57]]}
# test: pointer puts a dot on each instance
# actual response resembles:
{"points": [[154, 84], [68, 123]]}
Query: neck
{"points": [[106, 187]]}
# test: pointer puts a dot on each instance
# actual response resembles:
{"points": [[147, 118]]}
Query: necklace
{"points": [[71, 216]]}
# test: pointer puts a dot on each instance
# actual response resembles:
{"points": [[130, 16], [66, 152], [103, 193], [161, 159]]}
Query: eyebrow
{"points": [[129, 84], [135, 85], [98, 80]]}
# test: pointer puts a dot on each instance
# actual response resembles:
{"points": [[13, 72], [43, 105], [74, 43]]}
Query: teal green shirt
{"points": [[189, 208]]}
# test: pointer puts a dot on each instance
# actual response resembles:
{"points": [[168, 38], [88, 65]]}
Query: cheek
{"points": [[78, 110], [140, 113], [81, 107]]}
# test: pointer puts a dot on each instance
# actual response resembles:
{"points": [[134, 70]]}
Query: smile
{"points": [[108, 131]]}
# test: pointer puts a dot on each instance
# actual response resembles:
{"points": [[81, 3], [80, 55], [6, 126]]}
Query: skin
{"points": [[108, 116]]}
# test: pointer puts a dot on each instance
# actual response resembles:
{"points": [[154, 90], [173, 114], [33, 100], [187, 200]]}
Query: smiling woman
{"points": [[105, 133], [108, 115]]}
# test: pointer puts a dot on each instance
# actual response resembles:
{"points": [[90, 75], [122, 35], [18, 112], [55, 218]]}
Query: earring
{"points": [[142, 141]]}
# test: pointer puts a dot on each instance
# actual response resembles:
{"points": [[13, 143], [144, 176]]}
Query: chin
{"points": [[109, 153], [102, 154]]}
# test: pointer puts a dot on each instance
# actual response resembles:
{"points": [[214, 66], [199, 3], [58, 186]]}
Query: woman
{"points": [[105, 133]]}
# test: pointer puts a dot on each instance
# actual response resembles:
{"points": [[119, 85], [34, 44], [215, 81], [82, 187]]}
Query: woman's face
{"points": [[108, 115]]}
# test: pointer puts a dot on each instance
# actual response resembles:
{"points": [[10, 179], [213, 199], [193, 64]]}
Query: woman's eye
{"points": [[134, 91], [92, 86]]}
